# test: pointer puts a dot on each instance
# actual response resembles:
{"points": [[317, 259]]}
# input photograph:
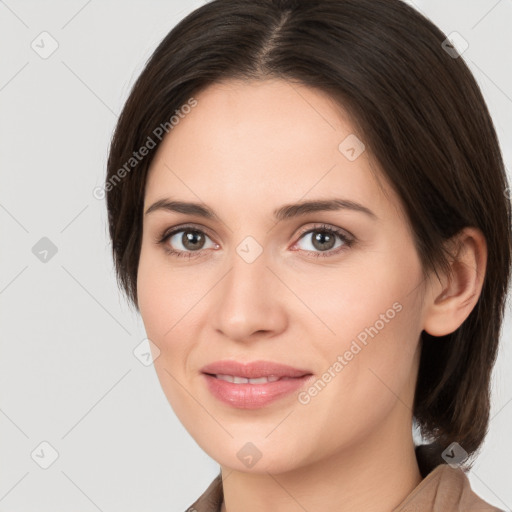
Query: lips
{"points": [[252, 385], [253, 370]]}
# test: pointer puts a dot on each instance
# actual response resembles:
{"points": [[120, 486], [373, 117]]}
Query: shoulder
{"points": [[468, 499], [445, 488]]}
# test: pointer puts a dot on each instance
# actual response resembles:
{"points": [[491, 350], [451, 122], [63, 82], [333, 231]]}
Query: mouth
{"points": [[235, 379], [252, 370], [252, 385]]}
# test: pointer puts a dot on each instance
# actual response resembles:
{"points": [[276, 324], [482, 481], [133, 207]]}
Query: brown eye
{"points": [[324, 239], [192, 240], [186, 241]]}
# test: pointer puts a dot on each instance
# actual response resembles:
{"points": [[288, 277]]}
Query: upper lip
{"points": [[253, 369]]}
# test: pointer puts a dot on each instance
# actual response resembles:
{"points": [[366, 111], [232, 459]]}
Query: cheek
{"points": [[163, 310], [170, 300], [163, 294], [375, 314], [160, 304], [151, 296], [366, 299]]}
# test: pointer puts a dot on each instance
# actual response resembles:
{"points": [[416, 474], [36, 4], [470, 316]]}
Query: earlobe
{"points": [[451, 299]]}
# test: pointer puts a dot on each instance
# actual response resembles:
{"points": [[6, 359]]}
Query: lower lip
{"points": [[253, 396]]}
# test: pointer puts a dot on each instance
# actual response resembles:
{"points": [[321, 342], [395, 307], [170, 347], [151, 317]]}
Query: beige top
{"points": [[444, 489]]}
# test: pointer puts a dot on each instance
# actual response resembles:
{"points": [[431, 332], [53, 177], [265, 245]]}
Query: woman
{"points": [[307, 204]]}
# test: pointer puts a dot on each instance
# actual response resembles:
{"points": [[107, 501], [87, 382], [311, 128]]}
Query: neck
{"points": [[375, 476]]}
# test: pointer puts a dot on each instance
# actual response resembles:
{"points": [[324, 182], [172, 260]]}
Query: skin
{"points": [[244, 150]]}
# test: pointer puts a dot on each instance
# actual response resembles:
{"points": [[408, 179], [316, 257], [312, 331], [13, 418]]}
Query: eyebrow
{"points": [[285, 212]]}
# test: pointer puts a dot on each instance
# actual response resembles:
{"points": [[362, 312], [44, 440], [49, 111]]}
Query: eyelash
{"points": [[347, 241]]}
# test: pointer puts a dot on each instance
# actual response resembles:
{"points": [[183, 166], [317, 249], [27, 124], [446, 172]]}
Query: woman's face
{"points": [[346, 308]]}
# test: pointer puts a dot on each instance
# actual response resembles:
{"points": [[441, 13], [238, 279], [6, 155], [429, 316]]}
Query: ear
{"points": [[450, 299]]}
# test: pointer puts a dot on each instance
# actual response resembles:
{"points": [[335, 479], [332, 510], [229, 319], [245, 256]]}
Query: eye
{"points": [[324, 239], [185, 241], [190, 241]]}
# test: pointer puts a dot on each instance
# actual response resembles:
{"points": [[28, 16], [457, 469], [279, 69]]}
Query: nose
{"points": [[249, 302]]}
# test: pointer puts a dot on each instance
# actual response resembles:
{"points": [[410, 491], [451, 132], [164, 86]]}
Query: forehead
{"points": [[263, 141]]}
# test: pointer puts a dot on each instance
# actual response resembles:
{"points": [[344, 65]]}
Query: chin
{"points": [[255, 457]]}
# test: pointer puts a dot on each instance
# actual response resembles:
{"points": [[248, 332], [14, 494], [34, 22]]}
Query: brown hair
{"points": [[423, 118]]}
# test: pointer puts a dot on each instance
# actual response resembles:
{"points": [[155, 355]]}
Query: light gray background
{"points": [[68, 375]]}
